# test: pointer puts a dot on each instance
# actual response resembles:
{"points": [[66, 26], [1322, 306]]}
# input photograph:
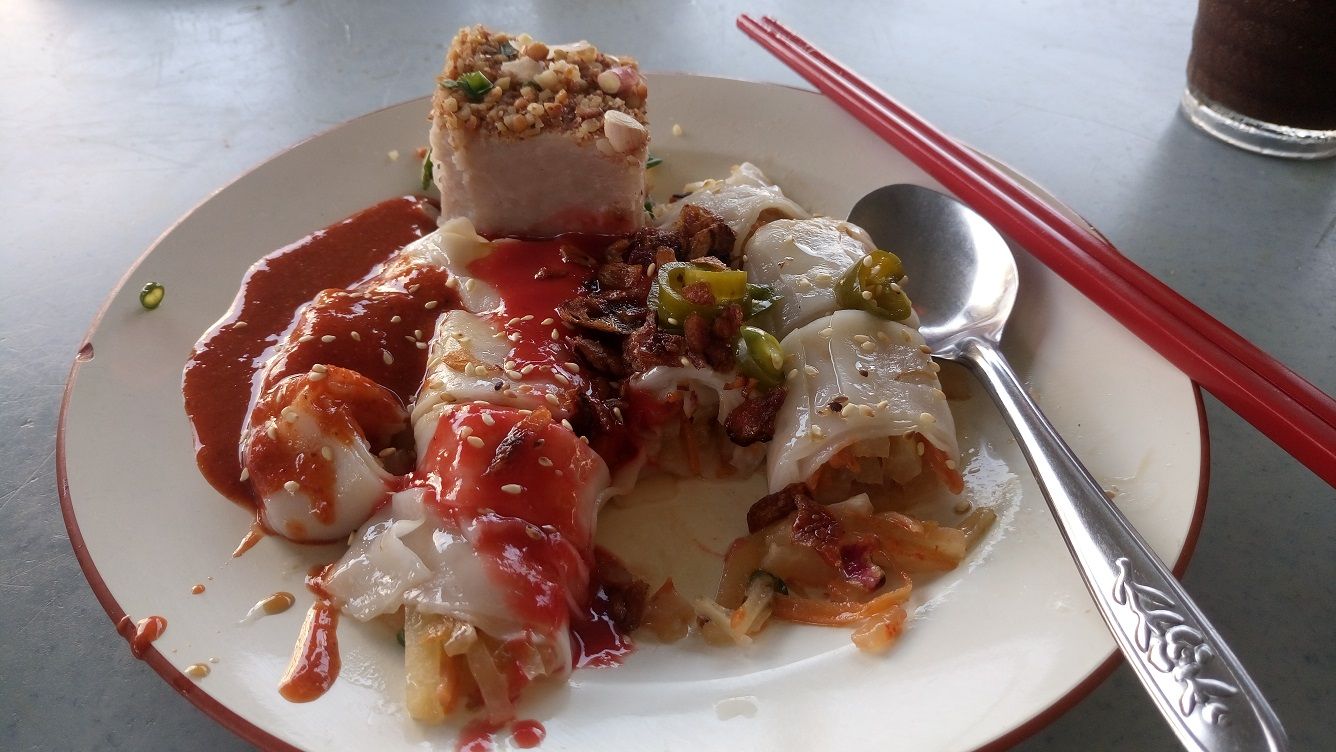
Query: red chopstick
{"points": [[1292, 412], [1241, 349]]}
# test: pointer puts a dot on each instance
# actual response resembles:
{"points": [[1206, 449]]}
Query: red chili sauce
{"points": [[226, 367], [315, 659], [142, 633]]}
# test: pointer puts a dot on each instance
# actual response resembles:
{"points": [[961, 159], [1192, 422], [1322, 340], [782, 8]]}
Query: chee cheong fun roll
{"points": [[490, 552], [802, 261], [864, 410], [745, 200]]}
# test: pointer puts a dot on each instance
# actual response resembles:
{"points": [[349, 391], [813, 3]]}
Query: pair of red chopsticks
{"points": [[1296, 415]]}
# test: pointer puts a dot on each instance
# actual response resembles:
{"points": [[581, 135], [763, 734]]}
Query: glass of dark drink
{"points": [[1262, 75]]}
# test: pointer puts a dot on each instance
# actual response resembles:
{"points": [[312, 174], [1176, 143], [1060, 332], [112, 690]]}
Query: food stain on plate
{"points": [[733, 707]]}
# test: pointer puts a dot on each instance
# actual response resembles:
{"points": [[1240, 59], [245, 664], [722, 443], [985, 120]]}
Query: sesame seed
{"points": [[867, 260], [315, 375], [918, 448], [677, 129], [306, 338], [513, 488], [487, 419], [793, 374], [895, 288], [672, 321], [926, 418], [452, 283], [430, 304], [386, 452], [649, 270], [513, 322], [421, 345], [417, 333], [545, 462], [327, 338], [567, 424], [239, 325], [509, 365], [584, 439], [356, 337], [810, 370], [396, 319], [574, 367], [555, 335], [513, 374], [867, 295], [410, 339], [292, 486], [827, 332], [559, 473], [549, 321], [271, 431], [847, 410], [475, 441], [861, 338], [617, 411], [527, 317], [950, 464], [465, 432], [551, 399], [686, 362], [327, 453], [386, 356], [319, 368], [480, 370], [868, 346], [883, 405], [938, 393], [513, 337], [533, 532], [561, 377], [510, 394], [934, 367], [245, 474], [289, 414], [925, 349], [413, 288]]}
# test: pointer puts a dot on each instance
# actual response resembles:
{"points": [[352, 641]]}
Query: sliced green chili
{"points": [[872, 285], [151, 296], [474, 84], [759, 356], [726, 285]]}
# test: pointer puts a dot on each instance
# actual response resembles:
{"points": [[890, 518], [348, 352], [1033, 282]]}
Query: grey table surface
{"points": [[116, 117]]}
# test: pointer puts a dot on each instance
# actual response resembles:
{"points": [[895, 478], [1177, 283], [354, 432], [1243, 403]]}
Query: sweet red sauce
{"points": [[222, 372], [315, 659], [527, 734], [478, 736], [535, 541], [146, 631], [596, 642]]}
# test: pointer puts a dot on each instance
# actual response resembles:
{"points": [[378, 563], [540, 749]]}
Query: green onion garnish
{"points": [[653, 161], [427, 170], [473, 83], [508, 50], [151, 296]]}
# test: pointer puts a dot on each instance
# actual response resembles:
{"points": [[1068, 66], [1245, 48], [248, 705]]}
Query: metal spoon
{"points": [[969, 278]]}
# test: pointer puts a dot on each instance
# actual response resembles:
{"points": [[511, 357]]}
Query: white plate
{"points": [[994, 649]]}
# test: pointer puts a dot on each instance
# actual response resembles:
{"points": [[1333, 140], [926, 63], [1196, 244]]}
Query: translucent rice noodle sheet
{"points": [[498, 536], [745, 199], [864, 384], [468, 362], [802, 260], [308, 452], [453, 247], [690, 439]]}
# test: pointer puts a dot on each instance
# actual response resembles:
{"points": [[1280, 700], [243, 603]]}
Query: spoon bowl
{"points": [[951, 251]]}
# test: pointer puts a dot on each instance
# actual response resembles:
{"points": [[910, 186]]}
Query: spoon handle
{"points": [[1195, 680]]}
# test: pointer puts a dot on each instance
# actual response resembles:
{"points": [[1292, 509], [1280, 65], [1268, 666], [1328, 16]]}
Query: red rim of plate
{"points": [[252, 733]]}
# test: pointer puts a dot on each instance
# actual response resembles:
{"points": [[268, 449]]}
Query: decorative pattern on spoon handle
{"points": [[1173, 646]]}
